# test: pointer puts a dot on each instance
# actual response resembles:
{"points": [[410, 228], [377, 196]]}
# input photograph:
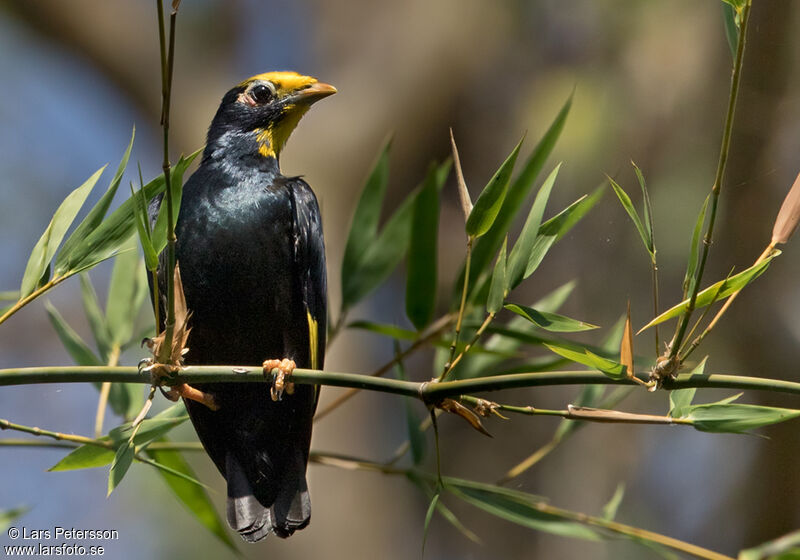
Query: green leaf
{"points": [[9, 515], [122, 462], [628, 205], [194, 497], [107, 238], [690, 279], [521, 252], [159, 234], [416, 436], [717, 292], [680, 399], [648, 210], [736, 418], [78, 350], [143, 227], [85, 457], [550, 321], [489, 202], [124, 293], [428, 517], [96, 318], [610, 509], [95, 215], [48, 243], [9, 295], [421, 274], [386, 251], [487, 246], [392, 331], [519, 508], [497, 288], [613, 369], [364, 226], [731, 30], [786, 547], [152, 428], [443, 510]]}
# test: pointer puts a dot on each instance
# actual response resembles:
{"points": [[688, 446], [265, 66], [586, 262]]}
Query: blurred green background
{"points": [[651, 82]]}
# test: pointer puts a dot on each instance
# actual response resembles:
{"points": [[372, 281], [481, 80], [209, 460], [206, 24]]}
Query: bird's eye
{"points": [[261, 93]]}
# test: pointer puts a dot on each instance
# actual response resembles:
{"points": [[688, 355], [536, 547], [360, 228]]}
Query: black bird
{"points": [[252, 262]]}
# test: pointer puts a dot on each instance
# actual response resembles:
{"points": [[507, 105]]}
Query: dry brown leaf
{"points": [[788, 215], [626, 346], [449, 405], [463, 193]]}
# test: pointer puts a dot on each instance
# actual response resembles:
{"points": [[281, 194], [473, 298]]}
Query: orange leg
{"points": [[280, 382]]}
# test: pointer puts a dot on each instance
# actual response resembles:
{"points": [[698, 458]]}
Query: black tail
{"points": [[254, 520]]}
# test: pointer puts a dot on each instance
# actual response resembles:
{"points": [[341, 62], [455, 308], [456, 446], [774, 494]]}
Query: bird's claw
{"points": [[280, 381], [159, 372]]}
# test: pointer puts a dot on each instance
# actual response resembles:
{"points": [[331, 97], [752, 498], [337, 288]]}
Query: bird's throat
{"points": [[272, 138]]}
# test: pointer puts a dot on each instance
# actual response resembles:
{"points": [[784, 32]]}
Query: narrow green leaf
{"points": [[85, 457], [392, 331], [736, 418], [96, 318], [78, 350], [521, 252], [152, 428], [159, 233], [489, 202], [443, 510], [628, 206], [364, 226], [428, 517], [717, 292], [497, 288], [786, 547], [9, 295], [731, 30], [421, 274], [690, 279], [120, 307], [520, 509], [610, 509], [416, 437], [105, 240], [194, 497], [143, 228], [648, 210], [487, 246], [95, 215], [680, 399], [9, 515], [48, 243], [550, 321], [122, 462], [386, 251], [614, 370]]}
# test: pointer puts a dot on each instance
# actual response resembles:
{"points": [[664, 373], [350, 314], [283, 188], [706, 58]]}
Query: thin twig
{"points": [[105, 390], [461, 307]]}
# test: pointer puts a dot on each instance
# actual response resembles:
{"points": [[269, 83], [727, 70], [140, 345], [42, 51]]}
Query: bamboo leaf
{"points": [[628, 206], [121, 306], [122, 462], [194, 497], [364, 226], [520, 254], [736, 418], [610, 509], [718, 291], [428, 517], [421, 274], [626, 345], [105, 240], [680, 399], [497, 288], [386, 251], [463, 192], [489, 202], [9, 515], [648, 211], [786, 547], [731, 30], [612, 369], [788, 216], [517, 507], [48, 243], [689, 279], [78, 350], [416, 437], [143, 228], [488, 245], [96, 214], [85, 457], [392, 331], [550, 321], [443, 510], [96, 318], [159, 233]]}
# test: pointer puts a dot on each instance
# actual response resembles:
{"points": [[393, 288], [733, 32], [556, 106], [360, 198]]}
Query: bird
{"points": [[251, 256]]}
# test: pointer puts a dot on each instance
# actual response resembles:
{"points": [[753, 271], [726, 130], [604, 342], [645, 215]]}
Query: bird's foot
{"points": [[159, 372], [280, 381]]}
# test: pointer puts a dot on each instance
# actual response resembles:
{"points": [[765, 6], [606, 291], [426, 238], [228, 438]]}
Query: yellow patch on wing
{"points": [[285, 82], [313, 340]]}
